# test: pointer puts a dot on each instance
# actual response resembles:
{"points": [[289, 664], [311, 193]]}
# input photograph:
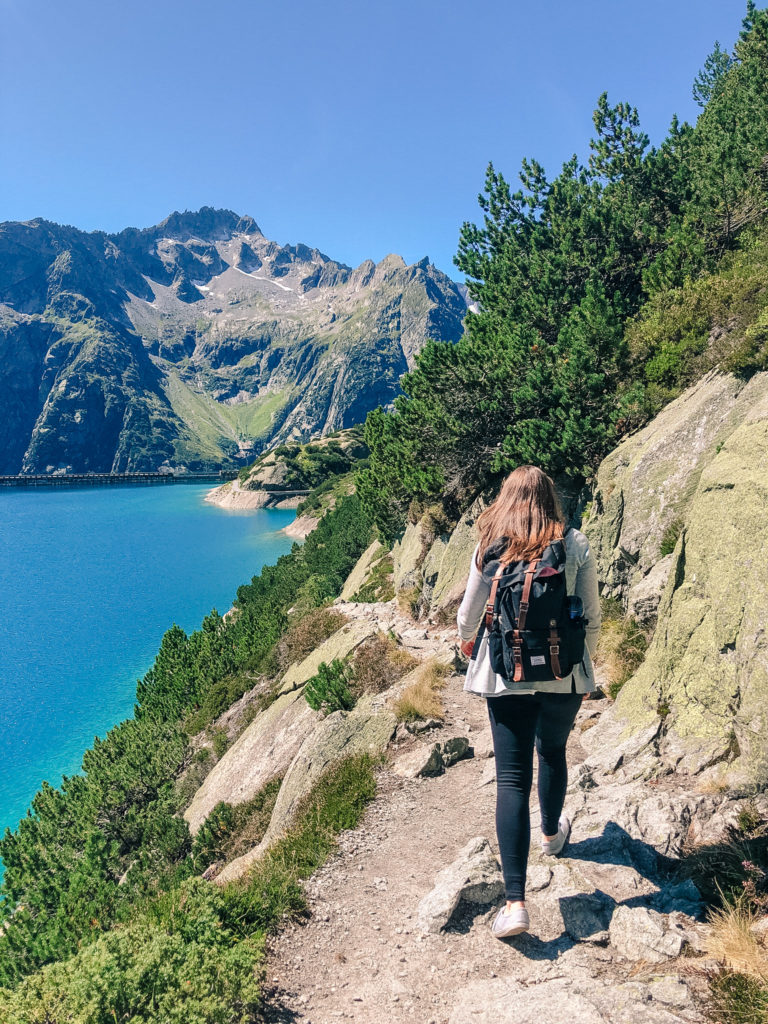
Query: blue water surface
{"points": [[90, 579]]}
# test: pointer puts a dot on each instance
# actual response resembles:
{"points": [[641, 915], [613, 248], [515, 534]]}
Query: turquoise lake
{"points": [[90, 579]]}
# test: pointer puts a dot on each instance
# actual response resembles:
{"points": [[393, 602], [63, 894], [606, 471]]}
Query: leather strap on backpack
{"points": [[517, 640], [554, 649], [491, 606], [517, 655], [525, 600]]}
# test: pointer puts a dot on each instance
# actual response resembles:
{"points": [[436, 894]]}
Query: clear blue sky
{"points": [[361, 128]]}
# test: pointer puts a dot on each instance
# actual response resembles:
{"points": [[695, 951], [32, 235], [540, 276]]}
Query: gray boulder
{"points": [[644, 596], [475, 877], [408, 555], [455, 749], [639, 933], [421, 760]]}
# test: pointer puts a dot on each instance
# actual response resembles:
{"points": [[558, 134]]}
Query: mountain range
{"points": [[196, 343]]}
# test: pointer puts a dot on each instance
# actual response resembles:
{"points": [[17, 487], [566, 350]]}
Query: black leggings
{"points": [[516, 720]]}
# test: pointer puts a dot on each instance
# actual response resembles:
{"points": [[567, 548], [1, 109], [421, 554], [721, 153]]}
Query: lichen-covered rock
{"points": [[474, 876], [338, 645], [454, 749], [646, 484], [705, 678], [644, 596], [430, 570], [264, 750], [454, 558], [366, 729], [408, 556], [357, 577]]}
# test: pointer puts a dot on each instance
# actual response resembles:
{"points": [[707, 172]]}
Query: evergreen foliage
{"points": [[329, 690], [192, 954], [556, 270]]}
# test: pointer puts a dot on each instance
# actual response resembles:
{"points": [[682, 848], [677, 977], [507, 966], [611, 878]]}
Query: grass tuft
{"points": [[733, 943], [670, 537], [379, 663], [422, 698], [620, 648]]}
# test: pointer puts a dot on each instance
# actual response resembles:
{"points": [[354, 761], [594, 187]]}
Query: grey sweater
{"points": [[580, 578]]}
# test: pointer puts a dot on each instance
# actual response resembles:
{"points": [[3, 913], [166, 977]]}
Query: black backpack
{"points": [[535, 630]]}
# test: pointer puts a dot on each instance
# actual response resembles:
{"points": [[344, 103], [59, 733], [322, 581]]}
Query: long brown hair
{"points": [[526, 515]]}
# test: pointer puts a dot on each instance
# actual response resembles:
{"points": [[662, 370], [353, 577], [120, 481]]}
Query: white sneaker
{"points": [[510, 922], [555, 846]]}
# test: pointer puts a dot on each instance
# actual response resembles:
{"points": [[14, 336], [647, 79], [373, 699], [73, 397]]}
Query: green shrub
{"points": [[329, 690], [194, 954], [220, 743], [737, 999], [189, 969]]}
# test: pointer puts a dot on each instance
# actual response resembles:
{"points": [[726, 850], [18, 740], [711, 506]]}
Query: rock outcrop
{"points": [[359, 573], [475, 877], [366, 729], [339, 645], [646, 485], [263, 751], [436, 567], [703, 465], [450, 565]]}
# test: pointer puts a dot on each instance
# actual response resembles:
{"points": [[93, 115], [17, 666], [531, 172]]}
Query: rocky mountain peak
{"points": [[207, 223], [197, 342]]}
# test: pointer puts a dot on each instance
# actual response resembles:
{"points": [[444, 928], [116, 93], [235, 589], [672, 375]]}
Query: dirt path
{"points": [[360, 955]]}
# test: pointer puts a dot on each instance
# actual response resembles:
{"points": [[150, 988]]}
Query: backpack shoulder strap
{"points": [[525, 600], [491, 606]]}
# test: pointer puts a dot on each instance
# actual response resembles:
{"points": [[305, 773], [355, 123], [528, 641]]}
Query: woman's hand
{"points": [[466, 647]]}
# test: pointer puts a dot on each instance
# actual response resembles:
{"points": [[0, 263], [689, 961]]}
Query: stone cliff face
{"points": [[695, 480], [197, 342]]}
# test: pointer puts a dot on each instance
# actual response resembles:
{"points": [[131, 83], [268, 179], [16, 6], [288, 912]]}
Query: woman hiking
{"points": [[532, 590]]}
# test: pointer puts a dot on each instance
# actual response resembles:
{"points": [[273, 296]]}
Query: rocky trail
{"points": [[616, 936]]}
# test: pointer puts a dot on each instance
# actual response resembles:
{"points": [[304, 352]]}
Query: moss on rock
{"points": [[708, 664], [647, 484]]}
